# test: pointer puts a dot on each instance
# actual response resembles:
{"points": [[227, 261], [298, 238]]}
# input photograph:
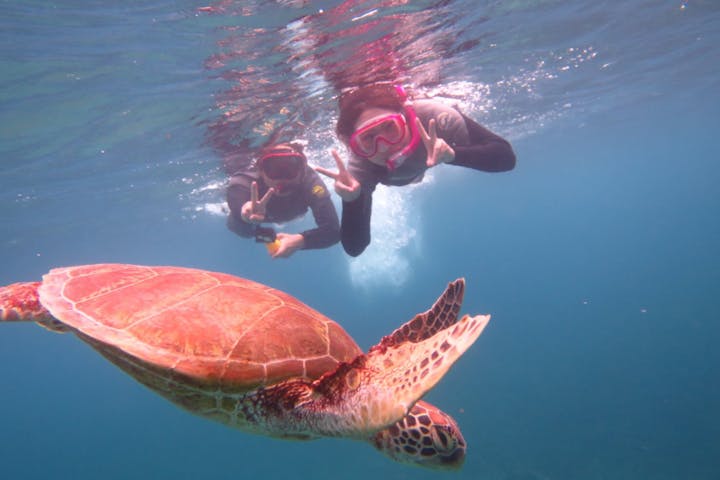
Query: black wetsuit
{"points": [[311, 193], [475, 147]]}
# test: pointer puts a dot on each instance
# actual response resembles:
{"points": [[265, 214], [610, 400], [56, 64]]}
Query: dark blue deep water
{"points": [[598, 256]]}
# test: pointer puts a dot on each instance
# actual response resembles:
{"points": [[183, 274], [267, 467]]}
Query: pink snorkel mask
{"points": [[389, 129]]}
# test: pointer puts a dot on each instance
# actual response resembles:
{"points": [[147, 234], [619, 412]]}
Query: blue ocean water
{"points": [[598, 256]]}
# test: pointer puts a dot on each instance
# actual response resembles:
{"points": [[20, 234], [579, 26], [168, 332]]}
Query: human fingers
{"points": [[431, 160], [327, 173], [446, 153], [254, 193], [246, 211], [274, 253], [281, 253], [284, 248], [442, 153], [266, 198], [339, 162], [433, 130], [432, 145], [348, 191], [423, 133]]}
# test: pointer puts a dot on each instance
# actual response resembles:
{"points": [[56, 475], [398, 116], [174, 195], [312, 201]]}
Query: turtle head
{"points": [[426, 437]]}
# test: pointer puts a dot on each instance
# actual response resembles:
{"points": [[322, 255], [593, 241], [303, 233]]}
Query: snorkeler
{"points": [[394, 141], [279, 187]]}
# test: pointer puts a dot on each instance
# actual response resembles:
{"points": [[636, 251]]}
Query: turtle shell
{"points": [[190, 326]]}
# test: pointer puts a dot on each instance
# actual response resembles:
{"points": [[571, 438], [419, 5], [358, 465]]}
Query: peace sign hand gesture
{"points": [[346, 186], [438, 151], [254, 210]]}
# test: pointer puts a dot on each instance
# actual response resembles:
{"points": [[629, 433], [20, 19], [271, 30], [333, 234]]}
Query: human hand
{"points": [[438, 151], [289, 244], [346, 186], [254, 210]]}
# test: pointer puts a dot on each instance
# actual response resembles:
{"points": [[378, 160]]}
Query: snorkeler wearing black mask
{"points": [[280, 187]]}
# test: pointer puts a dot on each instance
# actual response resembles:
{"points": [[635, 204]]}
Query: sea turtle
{"points": [[257, 359]]}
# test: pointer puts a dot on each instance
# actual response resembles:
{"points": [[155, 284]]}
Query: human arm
{"points": [[355, 224], [472, 145], [327, 232], [357, 207], [485, 151]]}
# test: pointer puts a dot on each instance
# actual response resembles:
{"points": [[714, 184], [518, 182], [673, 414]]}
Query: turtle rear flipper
{"points": [[20, 302]]}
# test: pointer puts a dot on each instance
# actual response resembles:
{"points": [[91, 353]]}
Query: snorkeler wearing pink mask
{"points": [[393, 141]]}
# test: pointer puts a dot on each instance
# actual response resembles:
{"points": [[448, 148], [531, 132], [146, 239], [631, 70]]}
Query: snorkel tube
{"points": [[411, 119]]}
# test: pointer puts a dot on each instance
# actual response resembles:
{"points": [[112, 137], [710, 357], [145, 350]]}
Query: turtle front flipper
{"points": [[378, 389], [441, 315], [372, 392], [20, 302], [425, 437]]}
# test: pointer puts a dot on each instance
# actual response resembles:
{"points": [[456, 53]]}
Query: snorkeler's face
{"points": [[282, 187], [282, 170], [379, 133]]}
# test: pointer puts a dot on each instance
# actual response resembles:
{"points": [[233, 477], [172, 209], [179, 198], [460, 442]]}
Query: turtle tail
{"points": [[20, 302]]}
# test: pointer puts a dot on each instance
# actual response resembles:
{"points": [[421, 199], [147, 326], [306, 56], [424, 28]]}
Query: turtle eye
{"points": [[443, 441]]}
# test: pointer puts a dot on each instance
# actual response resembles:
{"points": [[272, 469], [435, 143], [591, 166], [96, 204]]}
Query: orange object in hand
{"points": [[273, 246]]}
